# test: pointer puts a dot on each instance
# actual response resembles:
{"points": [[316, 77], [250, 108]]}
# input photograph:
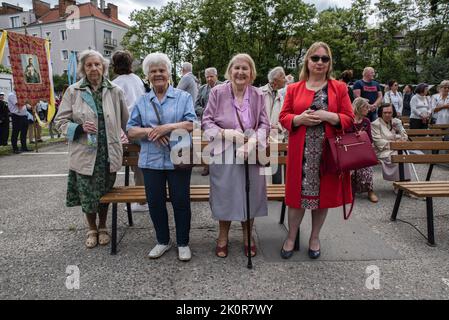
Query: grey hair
{"points": [[211, 70], [156, 58], [187, 66], [89, 53], [274, 73]]}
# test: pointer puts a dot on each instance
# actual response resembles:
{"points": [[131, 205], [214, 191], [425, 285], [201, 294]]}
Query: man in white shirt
{"points": [[19, 123]]}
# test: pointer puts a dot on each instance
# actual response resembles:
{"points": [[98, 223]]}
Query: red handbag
{"points": [[346, 152]]}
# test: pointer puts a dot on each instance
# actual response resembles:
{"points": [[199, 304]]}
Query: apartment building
{"points": [[69, 29]]}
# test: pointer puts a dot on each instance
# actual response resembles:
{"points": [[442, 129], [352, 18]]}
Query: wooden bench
{"points": [[427, 134], [427, 189], [405, 121], [439, 126], [198, 193]]}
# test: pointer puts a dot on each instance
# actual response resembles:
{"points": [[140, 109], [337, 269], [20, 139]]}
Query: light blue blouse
{"points": [[176, 106]]}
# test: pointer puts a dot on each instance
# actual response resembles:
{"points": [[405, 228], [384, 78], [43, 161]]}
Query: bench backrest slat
{"points": [[420, 158], [424, 145], [426, 132]]}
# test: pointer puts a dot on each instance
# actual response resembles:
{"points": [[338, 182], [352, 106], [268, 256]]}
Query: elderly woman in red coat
{"points": [[314, 108]]}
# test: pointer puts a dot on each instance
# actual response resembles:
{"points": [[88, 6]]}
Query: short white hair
{"points": [[211, 70], [274, 73], [156, 58], [187, 66], [92, 53]]}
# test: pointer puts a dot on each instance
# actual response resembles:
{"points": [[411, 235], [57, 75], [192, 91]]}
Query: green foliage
{"points": [[59, 81], [408, 42], [4, 69]]}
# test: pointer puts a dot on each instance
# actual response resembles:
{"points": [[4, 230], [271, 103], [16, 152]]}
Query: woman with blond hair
{"points": [[315, 107], [233, 109], [362, 179]]}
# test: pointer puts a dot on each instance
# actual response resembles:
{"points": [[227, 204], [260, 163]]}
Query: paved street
{"points": [[40, 238]]}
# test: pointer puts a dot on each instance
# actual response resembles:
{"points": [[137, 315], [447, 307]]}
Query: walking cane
{"points": [[248, 216]]}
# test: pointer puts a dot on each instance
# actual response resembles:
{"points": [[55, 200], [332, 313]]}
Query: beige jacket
{"points": [[77, 107], [382, 136], [273, 106]]}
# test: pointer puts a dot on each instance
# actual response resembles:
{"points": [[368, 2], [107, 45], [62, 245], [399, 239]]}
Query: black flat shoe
{"points": [[286, 254], [314, 254]]}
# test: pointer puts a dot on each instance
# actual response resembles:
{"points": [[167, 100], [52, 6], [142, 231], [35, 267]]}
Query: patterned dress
{"points": [[313, 148], [362, 179], [86, 191]]}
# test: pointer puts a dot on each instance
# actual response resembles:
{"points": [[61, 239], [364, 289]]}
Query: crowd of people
{"points": [[98, 115]]}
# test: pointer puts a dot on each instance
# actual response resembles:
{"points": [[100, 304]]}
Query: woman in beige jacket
{"points": [[387, 128], [92, 113]]}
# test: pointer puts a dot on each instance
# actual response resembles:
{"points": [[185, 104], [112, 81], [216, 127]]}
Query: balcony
{"points": [[110, 43]]}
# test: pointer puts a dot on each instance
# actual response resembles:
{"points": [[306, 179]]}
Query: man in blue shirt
{"points": [[369, 89]]}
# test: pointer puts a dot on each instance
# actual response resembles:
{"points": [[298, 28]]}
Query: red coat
{"points": [[297, 100]]}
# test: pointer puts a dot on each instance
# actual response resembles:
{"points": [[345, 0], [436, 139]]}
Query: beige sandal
{"points": [[103, 237], [91, 240]]}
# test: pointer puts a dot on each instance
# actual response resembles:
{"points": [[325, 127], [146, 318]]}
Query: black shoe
{"points": [[16, 151], [286, 254], [314, 254], [40, 140]]}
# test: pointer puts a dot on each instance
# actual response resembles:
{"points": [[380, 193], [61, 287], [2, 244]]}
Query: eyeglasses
{"points": [[324, 59]]}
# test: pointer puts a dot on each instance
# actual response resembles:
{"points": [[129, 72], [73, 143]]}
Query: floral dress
{"points": [[86, 191], [362, 179], [313, 148]]}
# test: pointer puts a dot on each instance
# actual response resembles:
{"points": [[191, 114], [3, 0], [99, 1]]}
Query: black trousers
{"points": [[4, 132], [19, 126], [418, 124]]}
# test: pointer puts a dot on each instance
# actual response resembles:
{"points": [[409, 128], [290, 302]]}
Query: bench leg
{"points": [[282, 217], [430, 230], [130, 214], [396, 205], [429, 172], [296, 247], [114, 229]]}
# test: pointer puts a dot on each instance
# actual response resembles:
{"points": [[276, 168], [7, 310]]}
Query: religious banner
{"points": [[29, 64]]}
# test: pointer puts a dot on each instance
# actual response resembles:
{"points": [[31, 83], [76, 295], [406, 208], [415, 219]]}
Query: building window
{"points": [[291, 64], [107, 53], [15, 22], [63, 35], [65, 55], [107, 34]]}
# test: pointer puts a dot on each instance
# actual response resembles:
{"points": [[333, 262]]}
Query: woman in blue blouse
{"points": [[153, 128]]}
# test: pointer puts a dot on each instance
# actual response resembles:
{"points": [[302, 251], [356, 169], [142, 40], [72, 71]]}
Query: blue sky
{"points": [[125, 7]]}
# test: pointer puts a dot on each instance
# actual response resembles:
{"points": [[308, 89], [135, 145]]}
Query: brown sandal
{"points": [[221, 252], [103, 237], [92, 239]]}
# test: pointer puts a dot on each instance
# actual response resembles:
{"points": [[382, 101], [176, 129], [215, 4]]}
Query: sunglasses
{"points": [[324, 59]]}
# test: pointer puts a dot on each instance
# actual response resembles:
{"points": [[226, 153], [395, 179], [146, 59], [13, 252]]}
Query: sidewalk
{"points": [[40, 238]]}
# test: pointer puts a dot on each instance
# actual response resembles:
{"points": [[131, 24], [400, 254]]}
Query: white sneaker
{"points": [[137, 207], [184, 253], [159, 250]]}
